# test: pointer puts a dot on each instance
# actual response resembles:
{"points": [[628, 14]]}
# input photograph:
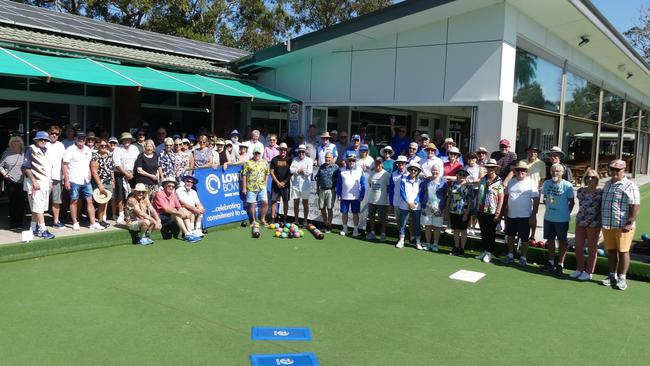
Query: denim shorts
{"points": [[252, 197], [75, 189], [346, 205]]}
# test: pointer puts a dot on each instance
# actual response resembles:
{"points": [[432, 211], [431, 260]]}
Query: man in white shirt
{"points": [[366, 162], [55, 151], [350, 189], [189, 199], [378, 182], [234, 138], [253, 143], [430, 160], [76, 178], [521, 204], [301, 169], [325, 147], [124, 158]]}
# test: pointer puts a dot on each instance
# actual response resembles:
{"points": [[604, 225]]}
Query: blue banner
{"points": [[280, 334], [293, 359], [219, 192]]}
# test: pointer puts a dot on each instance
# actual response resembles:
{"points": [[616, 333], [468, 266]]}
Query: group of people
{"points": [[427, 185]]}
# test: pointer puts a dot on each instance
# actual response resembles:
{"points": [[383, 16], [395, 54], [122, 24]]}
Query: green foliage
{"points": [[639, 34], [318, 14]]}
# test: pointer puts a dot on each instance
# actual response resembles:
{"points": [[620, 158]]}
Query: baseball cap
{"points": [[112, 139], [356, 137], [41, 135], [363, 148], [505, 142]]}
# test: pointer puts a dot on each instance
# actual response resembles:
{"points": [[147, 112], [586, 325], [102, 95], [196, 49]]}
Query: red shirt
{"points": [[450, 169], [162, 201]]}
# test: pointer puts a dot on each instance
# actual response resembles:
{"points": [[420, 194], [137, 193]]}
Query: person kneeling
{"points": [[170, 209], [190, 201], [141, 216]]}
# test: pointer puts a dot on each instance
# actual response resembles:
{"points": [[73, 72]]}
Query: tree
{"points": [[639, 34], [318, 14]]}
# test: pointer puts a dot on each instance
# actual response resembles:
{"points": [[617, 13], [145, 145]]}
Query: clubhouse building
{"points": [[544, 73]]}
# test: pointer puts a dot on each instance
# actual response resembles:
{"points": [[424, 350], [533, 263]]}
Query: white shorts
{"points": [[39, 200], [298, 192], [430, 220]]}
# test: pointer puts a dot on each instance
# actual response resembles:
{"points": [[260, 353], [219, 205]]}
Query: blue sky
{"points": [[621, 13]]}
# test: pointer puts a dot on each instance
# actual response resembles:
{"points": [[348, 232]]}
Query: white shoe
{"points": [[355, 232], [343, 232], [120, 220], [481, 256], [96, 226], [487, 258], [400, 243], [584, 276], [198, 233], [418, 246], [75, 226], [434, 248], [471, 232], [575, 274], [370, 236], [382, 238]]}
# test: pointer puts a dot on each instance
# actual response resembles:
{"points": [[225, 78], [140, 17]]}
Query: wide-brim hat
{"points": [[521, 164], [554, 150], [534, 147], [325, 135], [169, 180], [126, 135], [186, 177], [449, 140], [302, 147], [220, 141], [401, 159], [140, 187], [282, 146], [453, 150], [351, 157], [491, 163], [91, 136], [431, 146], [386, 148], [413, 165], [102, 198], [462, 170], [482, 150]]}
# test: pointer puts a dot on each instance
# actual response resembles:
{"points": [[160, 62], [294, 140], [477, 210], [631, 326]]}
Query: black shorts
{"points": [[518, 226], [456, 222], [119, 193], [280, 193]]}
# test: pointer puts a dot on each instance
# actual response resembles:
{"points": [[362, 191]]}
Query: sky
{"points": [[623, 14]]}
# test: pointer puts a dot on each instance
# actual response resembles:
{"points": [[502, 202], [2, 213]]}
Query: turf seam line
{"points": [[207, 320], [627, 340]]}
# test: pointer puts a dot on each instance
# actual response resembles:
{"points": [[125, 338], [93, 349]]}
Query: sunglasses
{"points": [[169, 145], [113, 143], [521, 170], [102, 145], [54, 133], [413, 148], [413, 170], [481, 153], [503, 146], [615, 169], [179, 144]]}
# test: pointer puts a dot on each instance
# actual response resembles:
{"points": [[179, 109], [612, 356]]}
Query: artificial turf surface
{"points": [[366, 304]]}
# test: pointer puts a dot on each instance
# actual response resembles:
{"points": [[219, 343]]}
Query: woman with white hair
{"points": [[10, 170]]}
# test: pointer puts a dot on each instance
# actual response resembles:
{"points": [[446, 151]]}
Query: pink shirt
{"points": [[162, 201], [270, 152]]}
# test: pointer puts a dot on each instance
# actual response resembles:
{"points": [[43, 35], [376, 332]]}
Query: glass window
{"points": [[631, 115], [54, 86], [581, 98], [9, 82], [158, 97], [98, 120], [644, 149], [644, 120], [99, 91], [578, 143], [629, 148], [608, 147], [538, 82], [535, 129], [612, 108], [194, 100]]}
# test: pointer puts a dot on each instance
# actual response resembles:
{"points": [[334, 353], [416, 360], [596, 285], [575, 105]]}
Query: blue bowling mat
{"points": [[280, 334], [293, 359]]}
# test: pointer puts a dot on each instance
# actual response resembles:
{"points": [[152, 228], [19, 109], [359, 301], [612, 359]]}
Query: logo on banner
{"points": [[281, 333], [212, 184], [284, 361]]}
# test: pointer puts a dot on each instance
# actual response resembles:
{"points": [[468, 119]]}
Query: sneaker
{"points": [[96, 226], [104, 224], [487, 258], [412, 240], [419, 246], [382, 238], [575, 274], [454, 251], [558, 270], [621, 284], [145, 241], [610, 281], [471, 232], [198, 233], [46, 235], [58, 225], [370, 236], [400, 243], [523, 262], [584, 276], [461, 252], [435, 248], [480, 256], [343, 232], [327, 230], [120, 220], [508, 260], [75, 226], [355, 232], [548, 267], [191, 238]]}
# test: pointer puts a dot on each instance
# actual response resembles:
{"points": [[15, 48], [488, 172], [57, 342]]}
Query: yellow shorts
{"points": [[616, 239]]}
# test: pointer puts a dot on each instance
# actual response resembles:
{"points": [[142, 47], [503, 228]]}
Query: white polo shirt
{"points": [[189, 197], [78, 161]]}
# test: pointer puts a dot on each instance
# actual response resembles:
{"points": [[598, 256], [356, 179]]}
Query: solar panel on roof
{"points": [[43, 19]]}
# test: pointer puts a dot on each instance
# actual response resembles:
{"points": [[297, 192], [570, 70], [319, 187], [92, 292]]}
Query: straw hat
{"points": [[414, 165], [169, 180], [521, 164], [554, 150], [140, 187], [102, 198], [491, 163], [126, 135], [325, 135]]}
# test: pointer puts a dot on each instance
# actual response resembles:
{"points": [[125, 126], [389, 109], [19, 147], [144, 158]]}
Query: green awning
{"points": [[84, 70]]}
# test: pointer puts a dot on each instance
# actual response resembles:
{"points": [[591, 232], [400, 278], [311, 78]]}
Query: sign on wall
{"points": [[294, 120]]}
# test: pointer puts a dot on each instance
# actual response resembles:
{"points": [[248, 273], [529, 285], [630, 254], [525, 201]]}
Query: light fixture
{"points": [[629, 75], [583, 41]]}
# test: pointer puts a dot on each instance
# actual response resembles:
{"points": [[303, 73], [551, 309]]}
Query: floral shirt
{"points": [[134, 209], [589, 207], [183, 163], [488, 195], [255, 172], [459, 198], [168, 163], [106, 167], [202, 157]]}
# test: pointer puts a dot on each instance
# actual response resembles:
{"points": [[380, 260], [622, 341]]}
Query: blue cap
{"points": [[80, 134], [41, 135], [191, 137], [356, 137], [363, 148], [234, 132]]}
